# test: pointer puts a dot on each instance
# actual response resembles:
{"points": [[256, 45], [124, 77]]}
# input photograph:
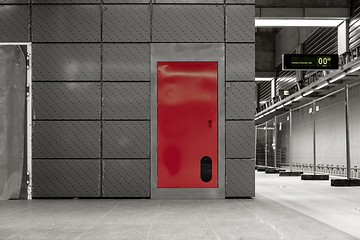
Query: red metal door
{"points": [[187, 124]]}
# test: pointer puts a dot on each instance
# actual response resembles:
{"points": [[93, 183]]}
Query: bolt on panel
{"points": [[14, 1], [126, 100], [126, 139], [240, 100], [66, 100], [127, 1], [66, 62], [66, 139], [240, 22], [240, 178], [126, 178], [126, 62], [240, 139], [240, 1], [65, 23], [126, 23], [66, 178], [66, 1], [15, 22], [188, 23], [240, 62], [188, 1]]}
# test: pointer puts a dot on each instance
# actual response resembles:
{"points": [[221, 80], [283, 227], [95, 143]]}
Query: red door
{"points": [[187, 124]]}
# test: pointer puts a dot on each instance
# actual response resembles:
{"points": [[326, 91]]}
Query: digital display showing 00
{"points": [[310, 61]]}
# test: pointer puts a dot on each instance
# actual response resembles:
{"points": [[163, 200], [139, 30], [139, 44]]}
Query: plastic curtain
{"points": [[12, 120]]}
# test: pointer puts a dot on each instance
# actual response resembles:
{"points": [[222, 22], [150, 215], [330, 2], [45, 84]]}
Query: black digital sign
{"points": [[310, 61]]}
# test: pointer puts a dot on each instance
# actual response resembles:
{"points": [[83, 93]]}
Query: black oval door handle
{"points": [[206, 169]]}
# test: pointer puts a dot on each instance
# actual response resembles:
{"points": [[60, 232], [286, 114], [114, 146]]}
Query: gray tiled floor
{"points": [[259, 218]]}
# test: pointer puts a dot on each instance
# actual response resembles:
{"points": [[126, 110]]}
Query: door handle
{"points": [[210, 124]]}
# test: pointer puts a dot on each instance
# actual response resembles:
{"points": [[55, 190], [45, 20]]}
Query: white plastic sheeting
{"points": [[12, 120]]}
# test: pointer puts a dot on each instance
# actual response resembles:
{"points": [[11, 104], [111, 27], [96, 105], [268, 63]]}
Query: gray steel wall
{"points": [[329, 135], [91, 87]]}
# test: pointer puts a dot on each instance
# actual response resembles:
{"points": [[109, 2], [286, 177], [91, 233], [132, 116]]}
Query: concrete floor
{"points": [[284, 208]]}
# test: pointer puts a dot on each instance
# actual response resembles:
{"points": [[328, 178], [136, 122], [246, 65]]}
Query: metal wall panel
{"points": [[330, 131], [188, 1], [127, 23], [127, 1], [126, 62], [66, 62], [354, 25], [126, 178], [14, 1], [66, 178], [301, 141], [240, 22], [240, 100], [188, 23], [126, 100], [65, 1], [264, 90], [240, 178], [322, 40], [240, 139], [66, 100], [240, 1], [15, 22], [126, 139], [240, 62], [127, 65], [354, 125], [66, 139], [62, 23]]}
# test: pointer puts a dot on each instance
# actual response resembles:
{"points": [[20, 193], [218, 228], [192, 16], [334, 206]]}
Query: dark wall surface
{"points": [[91, 73]]}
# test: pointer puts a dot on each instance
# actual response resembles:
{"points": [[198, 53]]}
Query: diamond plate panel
{"points": [[66, 62], [188, 23], [126, 100], [127, 23], [66, 1], [240, 178], [240, 1], [240, 62], [64, 23], [127, 62], [14, 1], [66, 100], [240, 23], [15, 22], [240, 100], [240, 139], [188, 1], [126, 178], [126, 139], [66, 178], [66, 139], [126, 1]]}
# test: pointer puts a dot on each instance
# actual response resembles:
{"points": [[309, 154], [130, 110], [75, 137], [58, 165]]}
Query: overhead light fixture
{"points": [[337, 78], [288, 103], [298, 22], [354, 69], [263, 79], [298, 98], [280, 107], [308, 92], [322, 86]]}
